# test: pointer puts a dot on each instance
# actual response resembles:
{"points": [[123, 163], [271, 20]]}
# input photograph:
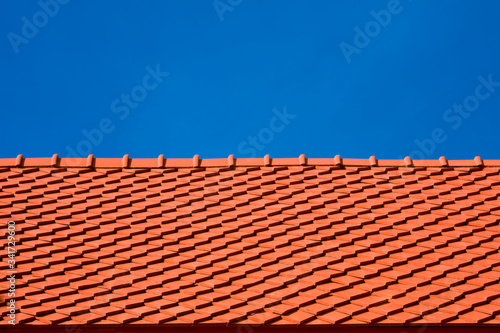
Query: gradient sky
{"points": [[284, 77]]}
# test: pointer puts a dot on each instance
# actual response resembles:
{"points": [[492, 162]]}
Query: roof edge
{"points": [[257, 328], [195, 162]]}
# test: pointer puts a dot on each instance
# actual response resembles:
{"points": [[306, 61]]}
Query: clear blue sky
{"points": [[355, 78]]}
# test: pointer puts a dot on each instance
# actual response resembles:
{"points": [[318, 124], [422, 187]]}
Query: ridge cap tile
{"points": [[162, 162]]}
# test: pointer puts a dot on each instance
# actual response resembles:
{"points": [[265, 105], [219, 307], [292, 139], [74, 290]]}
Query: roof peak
{"points": [[195, 162]]}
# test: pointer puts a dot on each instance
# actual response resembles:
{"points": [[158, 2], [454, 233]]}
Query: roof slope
{"points": [[253, 241]]}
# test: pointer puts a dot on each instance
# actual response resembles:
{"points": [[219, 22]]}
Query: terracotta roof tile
{"points": [[278, 242], [334, 317]]}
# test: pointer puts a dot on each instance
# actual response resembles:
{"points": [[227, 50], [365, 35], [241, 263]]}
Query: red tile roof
{"points": [[273, 242]]}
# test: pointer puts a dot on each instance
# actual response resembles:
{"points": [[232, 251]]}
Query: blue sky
{"points": [[355, 78]]}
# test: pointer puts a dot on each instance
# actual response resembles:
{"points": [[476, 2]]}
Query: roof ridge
{"points": [[231, 161]]}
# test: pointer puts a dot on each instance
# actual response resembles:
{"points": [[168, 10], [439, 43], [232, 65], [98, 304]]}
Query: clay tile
{"points": [[337, 160], [196, 161], [478, 161], [443, 161], [373, 161], [161, 161], [54, 160], [125, 161], [267, 160], [90, 160], [19, 160], [302, 159], [407, 161], [230, 160]]}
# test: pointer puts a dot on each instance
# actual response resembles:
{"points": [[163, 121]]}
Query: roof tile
{"points": [[334, 317], [257, 241]]}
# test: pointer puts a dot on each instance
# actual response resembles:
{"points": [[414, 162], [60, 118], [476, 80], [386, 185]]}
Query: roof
{"points": [[252, 242]]}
